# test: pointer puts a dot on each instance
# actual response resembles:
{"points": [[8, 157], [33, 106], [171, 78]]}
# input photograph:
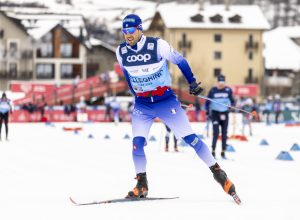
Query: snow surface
{"points": [[42, 165]]}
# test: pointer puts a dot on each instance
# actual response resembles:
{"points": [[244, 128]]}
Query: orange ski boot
{"points": [[221, 177], [141, 188]]}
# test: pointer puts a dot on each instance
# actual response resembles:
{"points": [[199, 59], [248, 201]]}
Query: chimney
{"points": [[81, 37], [201, 5], [227, 4]]}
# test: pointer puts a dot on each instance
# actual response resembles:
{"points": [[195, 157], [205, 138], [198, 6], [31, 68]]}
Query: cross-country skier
{"points": [[144, 63], [219, 113], [5, 109]]}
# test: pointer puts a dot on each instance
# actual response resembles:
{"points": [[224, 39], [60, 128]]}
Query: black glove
{"points": [[195, 88]]}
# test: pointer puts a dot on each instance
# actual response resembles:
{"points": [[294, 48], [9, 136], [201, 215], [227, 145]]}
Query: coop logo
{"points": [[140, 57]]}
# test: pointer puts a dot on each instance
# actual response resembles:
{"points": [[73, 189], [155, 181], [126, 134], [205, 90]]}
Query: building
{"points": [[60, 44], [282, 56], [15, 51], [101, 58], [216, 39]]}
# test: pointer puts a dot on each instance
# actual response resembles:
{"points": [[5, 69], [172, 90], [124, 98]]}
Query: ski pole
{"points": [[229, 106], [187, 106]]}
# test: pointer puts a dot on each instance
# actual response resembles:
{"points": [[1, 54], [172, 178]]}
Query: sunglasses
{"points": [[129, 30]]}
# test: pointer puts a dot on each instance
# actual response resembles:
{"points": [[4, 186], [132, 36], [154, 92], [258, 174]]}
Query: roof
{"points": [[37, 25], [177, 15], [281, 52], [37, 33], [15, 21]]}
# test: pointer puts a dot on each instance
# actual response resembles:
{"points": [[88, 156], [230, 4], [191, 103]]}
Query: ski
{"points": [[121, 200]]}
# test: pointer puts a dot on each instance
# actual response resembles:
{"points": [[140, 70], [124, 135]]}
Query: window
{"points": [[217, 72], [13, 49], [1, 33], [12, 69], [45, 71], [66, 71], [217, 55], [216, 18], [70, 71], [235, 19], [250, 38], [250, 75], [2, 51], [66, 50], [45, 50], [218, 38], [250, 55], [66, 47], [197, 18]]}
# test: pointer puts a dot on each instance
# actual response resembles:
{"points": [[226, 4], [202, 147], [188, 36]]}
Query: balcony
{"points": [[282, 81], [252, 80], [17, 55], [8, 75], [23, 75], [251, 45], [27, 54]]}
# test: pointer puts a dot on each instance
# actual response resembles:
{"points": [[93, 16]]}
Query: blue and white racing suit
{"points": [[146, 70]]}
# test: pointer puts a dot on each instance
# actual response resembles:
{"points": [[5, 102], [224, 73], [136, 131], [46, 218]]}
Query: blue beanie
{"points": [[221, 78], [132, 20]]}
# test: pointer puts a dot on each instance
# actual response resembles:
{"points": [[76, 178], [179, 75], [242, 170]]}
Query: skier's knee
{"points": [[194, 141], [138, 146]]}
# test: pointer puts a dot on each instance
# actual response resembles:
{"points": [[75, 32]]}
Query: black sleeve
{"points": [[231, 98], [207, 103]]}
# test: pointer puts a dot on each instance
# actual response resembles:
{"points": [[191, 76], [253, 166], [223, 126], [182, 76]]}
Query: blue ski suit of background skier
{"points": [[5, 109], [219, 114], [144, 64]]}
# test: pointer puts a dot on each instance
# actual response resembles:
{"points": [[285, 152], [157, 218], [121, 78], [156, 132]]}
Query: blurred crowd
{"points": [[271, 110]]}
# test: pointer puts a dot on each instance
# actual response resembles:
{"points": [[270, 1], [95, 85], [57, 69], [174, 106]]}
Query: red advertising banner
{"points": [[245, 90], [22, 116], [32, 87], [54, 116]]}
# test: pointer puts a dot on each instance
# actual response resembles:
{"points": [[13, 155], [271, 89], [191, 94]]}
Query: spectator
{"points": [[107, 116], [277, 107], [247, 105], [167, 138], [115, 106], [268, 109]]}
